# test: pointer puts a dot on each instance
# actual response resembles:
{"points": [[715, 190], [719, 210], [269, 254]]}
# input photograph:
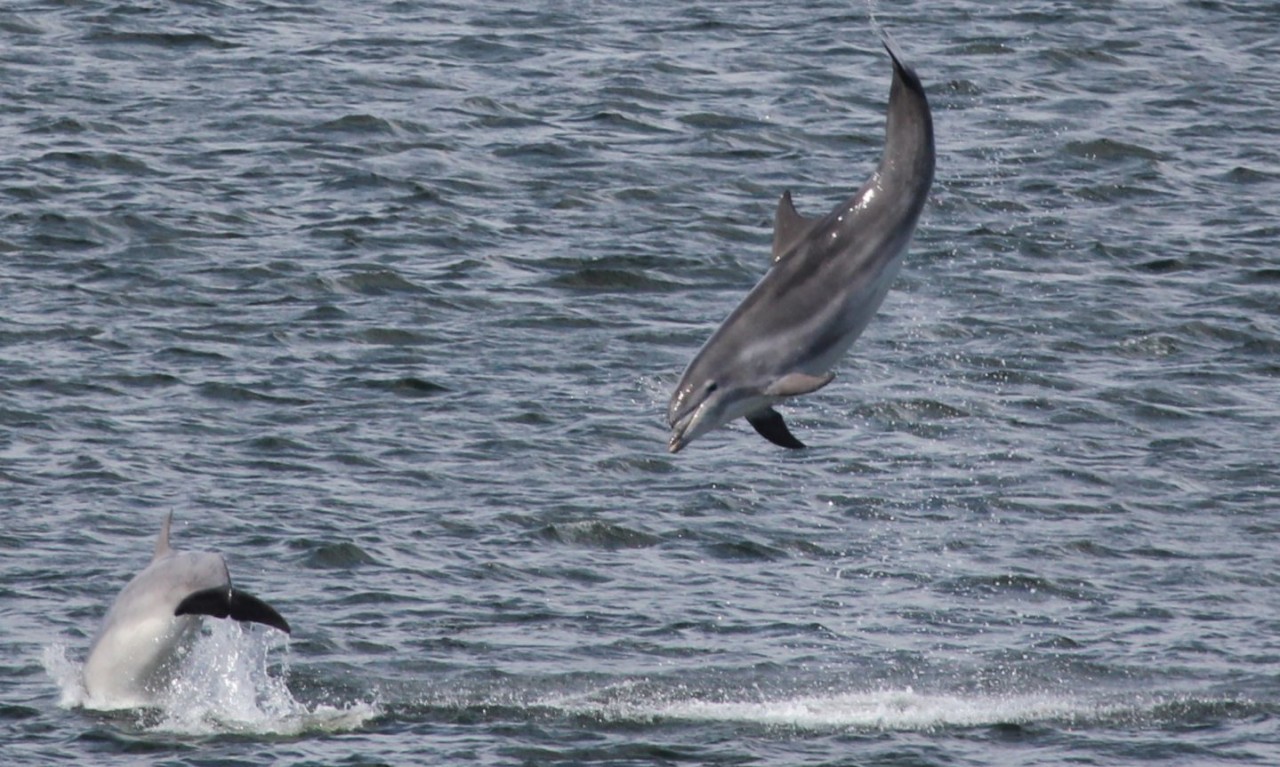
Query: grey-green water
{"points": [[385, 300]]}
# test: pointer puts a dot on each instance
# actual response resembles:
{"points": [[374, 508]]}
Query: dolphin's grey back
{"points": [[856, 249]]}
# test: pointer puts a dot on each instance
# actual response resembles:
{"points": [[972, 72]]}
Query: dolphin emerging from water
{"points": [[156, 617], [828, 277]]}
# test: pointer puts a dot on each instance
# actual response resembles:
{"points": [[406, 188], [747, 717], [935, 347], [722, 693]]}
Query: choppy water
{"points": [[385, 301]]}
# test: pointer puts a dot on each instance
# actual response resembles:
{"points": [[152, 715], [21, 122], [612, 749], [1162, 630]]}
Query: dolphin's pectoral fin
{"points": [[769, 424], [788, 227], [226, 602], [794, 384]]}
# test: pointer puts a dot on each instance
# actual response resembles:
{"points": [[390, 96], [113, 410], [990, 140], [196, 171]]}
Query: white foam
{"points": [[65, 673], [225, 685], [882, 710]]}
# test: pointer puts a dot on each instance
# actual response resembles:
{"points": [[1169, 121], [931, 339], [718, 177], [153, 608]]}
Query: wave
{"points": [[879, 710], [646, 703]]}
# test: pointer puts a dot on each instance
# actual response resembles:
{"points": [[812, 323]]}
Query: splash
{"points": [[655, 390], [226, 685], [880, 710], [896, 710], [871, 15], [65, 673]]}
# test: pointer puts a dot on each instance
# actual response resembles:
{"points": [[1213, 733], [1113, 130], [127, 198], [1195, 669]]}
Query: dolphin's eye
{"points": [[712, 386]]}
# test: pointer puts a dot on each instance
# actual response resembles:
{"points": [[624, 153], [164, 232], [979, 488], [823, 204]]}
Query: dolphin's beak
{"points": [[677, 441], [681, 427]]}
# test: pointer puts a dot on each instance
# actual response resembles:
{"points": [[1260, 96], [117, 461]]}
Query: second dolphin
{"points": [[828, 277]]}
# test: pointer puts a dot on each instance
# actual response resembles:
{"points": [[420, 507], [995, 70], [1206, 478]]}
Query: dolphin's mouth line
{"points": [[679, 427]]}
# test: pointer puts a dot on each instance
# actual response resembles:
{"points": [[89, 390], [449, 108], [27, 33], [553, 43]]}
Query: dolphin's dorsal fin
{"points": [[788, 227], [162, 540]]}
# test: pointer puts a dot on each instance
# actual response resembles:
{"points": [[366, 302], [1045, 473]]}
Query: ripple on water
{"points": [[395, 300]]}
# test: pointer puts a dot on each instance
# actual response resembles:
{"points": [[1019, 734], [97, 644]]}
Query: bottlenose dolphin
{"points": [[827, 279], [155, 618]]}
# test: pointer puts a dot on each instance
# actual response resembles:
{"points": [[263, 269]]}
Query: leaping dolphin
{"points": [[827, 279], [156, 617]]}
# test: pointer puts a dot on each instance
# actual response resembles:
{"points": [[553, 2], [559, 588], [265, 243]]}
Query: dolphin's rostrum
{"points": [[827, 279]]}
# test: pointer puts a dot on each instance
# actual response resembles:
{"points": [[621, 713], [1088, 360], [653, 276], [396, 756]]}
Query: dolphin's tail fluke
{"points": [[226, 602], [900, 65], [908, 146]]}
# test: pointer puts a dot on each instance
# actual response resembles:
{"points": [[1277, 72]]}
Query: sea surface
{"points": [[384, 301]]}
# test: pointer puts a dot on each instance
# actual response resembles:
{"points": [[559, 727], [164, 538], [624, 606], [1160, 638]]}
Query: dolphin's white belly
{"points": [[131, 662]]}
